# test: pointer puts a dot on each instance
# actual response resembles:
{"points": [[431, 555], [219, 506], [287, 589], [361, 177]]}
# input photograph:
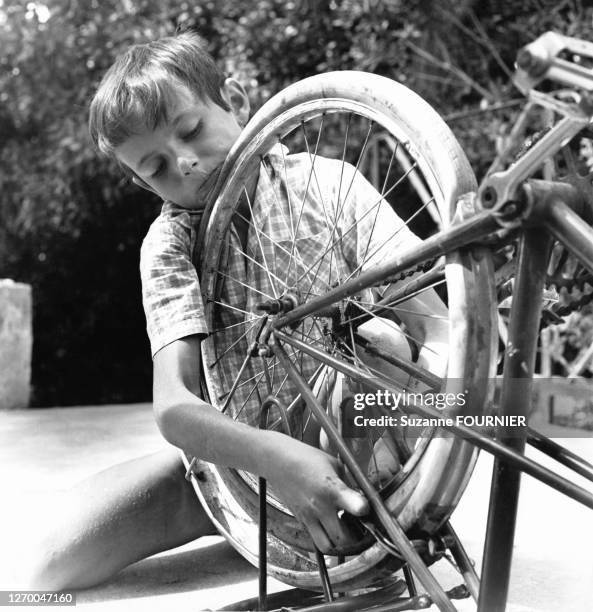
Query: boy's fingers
{"points": [[353, 502]]}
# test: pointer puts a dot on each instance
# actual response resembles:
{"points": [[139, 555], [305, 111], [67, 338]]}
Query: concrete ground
{"points": [[42, 451]]}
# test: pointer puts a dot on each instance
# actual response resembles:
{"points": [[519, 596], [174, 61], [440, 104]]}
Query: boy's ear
{"points": [[236, 97], [138, 181]]}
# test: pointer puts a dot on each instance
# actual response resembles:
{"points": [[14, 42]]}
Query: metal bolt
{"points": [[489, 197], [525, 59]]}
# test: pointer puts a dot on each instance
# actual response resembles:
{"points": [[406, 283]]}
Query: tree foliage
{"points": [[71, 226]]}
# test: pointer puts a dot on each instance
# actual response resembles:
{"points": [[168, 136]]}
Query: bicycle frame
{"points": [[506, 200], [507, 203], [545, 205]]}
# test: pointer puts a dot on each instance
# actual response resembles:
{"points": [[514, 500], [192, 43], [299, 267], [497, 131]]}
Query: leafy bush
{"points": [[70, 225]]}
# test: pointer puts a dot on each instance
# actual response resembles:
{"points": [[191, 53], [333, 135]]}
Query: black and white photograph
{"points": [[296, 305]]}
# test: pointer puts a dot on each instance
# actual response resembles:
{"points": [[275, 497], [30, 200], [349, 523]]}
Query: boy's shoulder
{"points": [[174, 225]]}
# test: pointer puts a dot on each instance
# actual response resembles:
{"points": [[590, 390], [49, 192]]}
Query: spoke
{"points": [[325, 212], [279, 205], [291, 406], [352, 351], [387, 240], [407, 336], [353, 343], [296, 231], [281, 385], [307, 337], [319, 330], [343, 166], [360, 156], [273, 373], [288, 198], [241, 252], [312, 162], [392, 305], [223, 329], [261, 248], [250, 314], [367, 212], [250, 287], [358, 361], [266, 371], [286, 376], [393, 153], [341, 204], [337, 208], [280, 247], [229, 397], [310, 381], [246, 400], [370, 369], [247, 331], [398, 309], [246, 382]]}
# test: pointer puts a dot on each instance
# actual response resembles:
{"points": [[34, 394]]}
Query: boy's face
{"points": [[178, 158]]}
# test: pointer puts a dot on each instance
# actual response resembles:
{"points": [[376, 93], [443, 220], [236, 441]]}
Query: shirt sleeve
{"points": [[171, 293]]}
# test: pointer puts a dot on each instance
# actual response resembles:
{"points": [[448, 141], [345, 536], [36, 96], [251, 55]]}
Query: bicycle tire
{"points": [[431, 485]]}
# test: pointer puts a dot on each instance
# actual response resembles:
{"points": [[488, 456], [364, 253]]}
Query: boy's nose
{"points": [[187, 165]]}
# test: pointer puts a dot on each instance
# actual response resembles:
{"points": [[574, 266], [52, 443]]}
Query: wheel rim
{"points": [[468, 272]]}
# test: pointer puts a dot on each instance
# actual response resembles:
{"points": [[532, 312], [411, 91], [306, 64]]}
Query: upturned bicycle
{"points": [[308, 331]]}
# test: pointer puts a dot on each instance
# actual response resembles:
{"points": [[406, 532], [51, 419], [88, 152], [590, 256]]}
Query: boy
{"points": [[168, 115]]}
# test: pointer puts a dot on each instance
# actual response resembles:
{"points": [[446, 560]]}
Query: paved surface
{"points": [[42, 451]]}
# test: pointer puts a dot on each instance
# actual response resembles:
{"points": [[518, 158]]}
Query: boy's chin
{"points": [[206, 190]]}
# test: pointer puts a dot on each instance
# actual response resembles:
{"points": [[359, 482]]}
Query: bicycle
{"points": [[304, 335]]}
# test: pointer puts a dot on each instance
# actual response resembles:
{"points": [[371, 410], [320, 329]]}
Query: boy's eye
{"points": [[193, 132], [159, 170]]}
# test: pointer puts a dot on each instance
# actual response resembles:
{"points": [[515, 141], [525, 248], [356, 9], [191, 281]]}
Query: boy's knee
{"points": [[48, 553], [42, 574], [41, 567], [49, 568]]}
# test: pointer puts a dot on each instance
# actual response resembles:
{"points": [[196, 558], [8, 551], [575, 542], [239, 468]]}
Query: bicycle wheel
{"points": [[292, 201]]}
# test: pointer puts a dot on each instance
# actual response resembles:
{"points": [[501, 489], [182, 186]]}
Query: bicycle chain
{"points": [[506, 273], [577, 304], [422, 267], [554, 280], [579, 290]]}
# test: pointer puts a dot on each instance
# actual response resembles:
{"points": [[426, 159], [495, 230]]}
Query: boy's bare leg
{"points": [[113, 518]]}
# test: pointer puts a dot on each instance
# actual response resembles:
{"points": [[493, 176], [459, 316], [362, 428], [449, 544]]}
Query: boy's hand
{"points": [[307, 481]]}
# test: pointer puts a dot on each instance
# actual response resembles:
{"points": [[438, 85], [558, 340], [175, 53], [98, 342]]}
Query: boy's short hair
{"points": [[133, 93]]}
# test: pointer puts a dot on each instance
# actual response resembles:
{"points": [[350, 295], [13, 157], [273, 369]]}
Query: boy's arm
{"points": [[304, 477], [426, 320]]}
